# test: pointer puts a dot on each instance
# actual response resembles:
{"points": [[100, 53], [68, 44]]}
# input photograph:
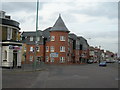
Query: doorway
{"points": [[14, 58]]}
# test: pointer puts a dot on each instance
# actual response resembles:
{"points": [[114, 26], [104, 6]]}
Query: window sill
{"points": [[62, 51], [51, 51]]}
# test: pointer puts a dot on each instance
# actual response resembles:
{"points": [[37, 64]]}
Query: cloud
{"points": [[96, 20], [101, 9], [21, 6]]}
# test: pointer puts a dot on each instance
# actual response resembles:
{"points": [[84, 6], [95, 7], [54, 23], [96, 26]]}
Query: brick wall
{"points": [[57, 43]]}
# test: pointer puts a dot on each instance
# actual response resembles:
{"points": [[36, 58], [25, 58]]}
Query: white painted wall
{"points": [[19, 57], [9, 62]]}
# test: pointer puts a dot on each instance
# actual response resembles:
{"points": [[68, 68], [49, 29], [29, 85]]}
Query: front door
{"points": [[14, 58]]}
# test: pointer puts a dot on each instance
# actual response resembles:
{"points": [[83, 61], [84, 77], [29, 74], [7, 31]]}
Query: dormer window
{"points": [[31, 38], [38, 38]]}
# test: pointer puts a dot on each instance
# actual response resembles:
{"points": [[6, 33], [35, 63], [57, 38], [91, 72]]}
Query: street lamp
{"points": [[36, 42]]}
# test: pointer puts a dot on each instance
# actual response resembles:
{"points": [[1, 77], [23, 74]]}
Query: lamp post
{"points": [[36, 42]]}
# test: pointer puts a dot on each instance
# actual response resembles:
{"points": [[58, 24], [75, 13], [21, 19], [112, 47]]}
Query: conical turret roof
{"points": [[59, 25]]}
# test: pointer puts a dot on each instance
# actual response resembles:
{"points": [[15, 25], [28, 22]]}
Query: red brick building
{"points": [[56, 45]]}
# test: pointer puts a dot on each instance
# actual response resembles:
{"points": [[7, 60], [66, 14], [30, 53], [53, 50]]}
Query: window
{"points": [[47, 59], [52, 60], [68, 49], [37, 48], [62, 49], [81, 47], [31, 58], [77, 42], [38, 38], [69, 40], [17, 38], [47, 48], [68, 59], [62, 59], [5, 55], [91, 53], [52, 48], [62, 38], [25, 49], [52, 38], [31, 38], [31, 49], [9, 33]]}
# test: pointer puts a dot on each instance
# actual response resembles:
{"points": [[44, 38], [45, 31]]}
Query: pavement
{"points": [[26, 68], [64, 76]]}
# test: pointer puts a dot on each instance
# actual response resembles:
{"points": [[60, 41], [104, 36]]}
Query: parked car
{"points": [[119, 62], [102, 64], [90, 61], [109, 61]]}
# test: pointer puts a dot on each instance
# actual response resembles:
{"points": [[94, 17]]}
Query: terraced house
{"points": [[55, 45]]}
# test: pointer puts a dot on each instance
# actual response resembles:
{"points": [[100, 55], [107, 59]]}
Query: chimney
{"points": [[2, 14]]}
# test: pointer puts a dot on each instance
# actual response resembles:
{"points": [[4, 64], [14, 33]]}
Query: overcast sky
{"points": [[95, 21]]}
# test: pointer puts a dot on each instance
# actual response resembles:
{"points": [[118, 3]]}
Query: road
{"points": [[64, 76]]}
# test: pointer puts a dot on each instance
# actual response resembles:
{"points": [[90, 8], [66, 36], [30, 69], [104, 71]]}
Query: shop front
{"points": [[11, 54]]}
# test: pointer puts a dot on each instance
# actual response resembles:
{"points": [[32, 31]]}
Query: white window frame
{"points": [[31, 49], [38, 38], [31, 38], [31, 58], [62, 38], [52, 48], [62, 48], [38, 49], [47, 48], [52, 60], [62, 59], [25, 49], [9, 33], [52, 38], [47, 59]]}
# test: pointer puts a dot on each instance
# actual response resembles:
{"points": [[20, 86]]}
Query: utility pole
{"points": [[36, 42]]}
